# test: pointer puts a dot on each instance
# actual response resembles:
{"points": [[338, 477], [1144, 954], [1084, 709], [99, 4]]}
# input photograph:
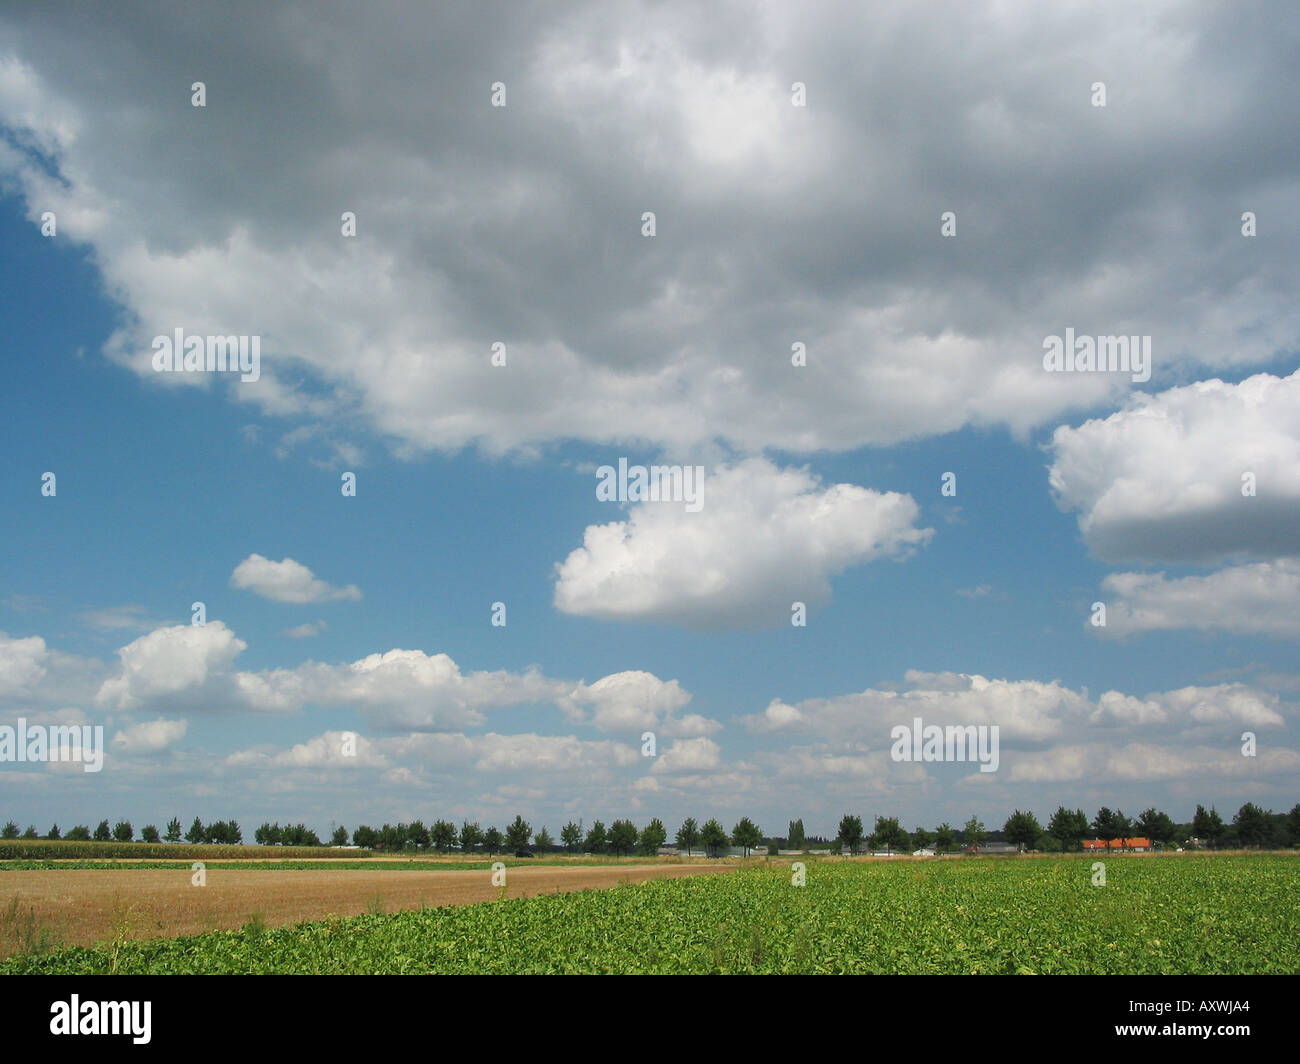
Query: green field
{"points": [[1155, 915]]}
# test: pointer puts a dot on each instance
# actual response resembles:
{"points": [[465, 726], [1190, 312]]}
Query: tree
{"points": [[471, 835], [596, 839], [80, 833], [30, 833], [492, 841], [654, 836], [1252, 824], [944, 837], [688, 835], [1023, 829], [973, 832], [714, 837], [543, 841], [571, 836], [746, 835], [921, 839], [195, 834], [365, 837], [850, 833], [1208, 826], [797, 838], [1156, 826], [622, 837], [150, 833], [518, 834], [443, 836], [1103, 825], [10, 831], [1293, 823], [340, 836], [102, 833], [418, 835], [173, 830], [54, 832], [267, 834], [888, 833], [1123, 828]]}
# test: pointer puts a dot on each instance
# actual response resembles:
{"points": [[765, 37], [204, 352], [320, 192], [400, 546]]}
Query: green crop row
{"points": [[1223, 915]]}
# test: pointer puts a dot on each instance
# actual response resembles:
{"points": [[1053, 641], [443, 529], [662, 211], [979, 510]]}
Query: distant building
{"points": [[1116, 844], [993, 847]]}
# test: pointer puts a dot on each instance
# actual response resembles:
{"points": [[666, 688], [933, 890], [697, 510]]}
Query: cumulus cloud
{"points": [[170, 661], [149, 737], [1259, 599], [765, 538], [1162, 479], [614, 109], [305, 631], [633, 701], [286, 581]]}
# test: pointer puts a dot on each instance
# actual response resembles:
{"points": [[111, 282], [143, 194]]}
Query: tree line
{"points": [[1065, 831]]}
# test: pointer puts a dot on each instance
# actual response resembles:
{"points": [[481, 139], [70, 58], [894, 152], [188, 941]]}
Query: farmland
{"points": [[1159, 915]]}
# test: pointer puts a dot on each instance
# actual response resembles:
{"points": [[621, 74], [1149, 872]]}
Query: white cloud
{"points": [[686, 756], [168, 661], [306, 630], [1258, 599], [286, 581], [765, 538], [148, 737], [1161, 480]]}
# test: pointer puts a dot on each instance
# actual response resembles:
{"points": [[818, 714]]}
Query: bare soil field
{"points": [[81, 907]]}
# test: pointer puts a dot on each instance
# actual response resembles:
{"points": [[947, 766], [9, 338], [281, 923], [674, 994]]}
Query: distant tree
{"points": [[443, 836], [1293, 823], [1103, 825], [1123, 828], [54, 832], [543, 841], [235, 834], [622, 837], [889, 834], [746, 835], [421, 838], [194, 835], [267, 835], [944, 837], [150, 833], [173, 830], [32, 833], [796, 839], [688, 835], [1208, 826], [714, 837], [1067, 827], [102, 832], [973, 832], [571, 836], [80, 833], [850, 833], [921, 839], [492, 840], [365, 837], [654, 836], [518, 834], [1252, 824], [10, 831], [596, 839], [471, 835], [1023, 829]]}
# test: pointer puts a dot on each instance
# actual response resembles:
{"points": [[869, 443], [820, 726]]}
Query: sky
{"points": [[818, 252]]}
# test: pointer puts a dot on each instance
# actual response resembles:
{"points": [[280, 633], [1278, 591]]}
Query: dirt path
{"points": [[82, 906]]}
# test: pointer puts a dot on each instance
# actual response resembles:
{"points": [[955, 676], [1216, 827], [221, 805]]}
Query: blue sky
{"points": [[476, 483]]}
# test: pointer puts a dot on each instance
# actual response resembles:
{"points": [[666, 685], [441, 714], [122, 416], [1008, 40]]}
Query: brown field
{"points": [[81, 906]]}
